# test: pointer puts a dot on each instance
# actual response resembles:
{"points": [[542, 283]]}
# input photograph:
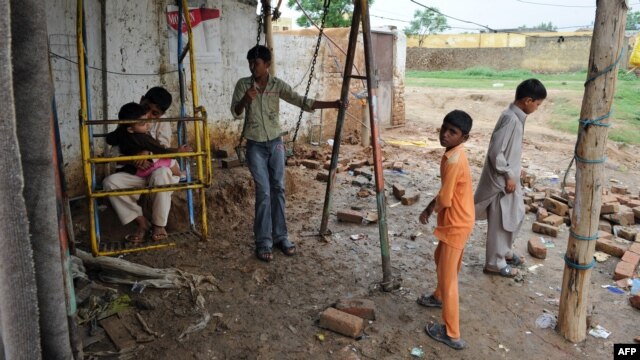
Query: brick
{"points": [[605, 226], [605, 235], [527, 208], [322, 176], [291, 162], [544, 229], [567, 220], [555, 206], [624, 217], [606, 199], [623, 283], [631, 257], [553, 220], [636, 212], [356, 164], [609, 208], [571, 191], [410, 199], [536, 248], [310, 164], [622, 199], [351, 216], [341, 322], [398, 165], [398, 191], [527, 200], [611, 247], [633, 203], [623, 270], [541, 214], [619, 189], [628, 233], [635, 247], [362, 308], [364, 173], [538, 196], [229, 163], [635, 302]]}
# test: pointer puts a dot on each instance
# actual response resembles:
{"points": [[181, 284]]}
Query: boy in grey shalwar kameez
{"points": [[498, 197]]}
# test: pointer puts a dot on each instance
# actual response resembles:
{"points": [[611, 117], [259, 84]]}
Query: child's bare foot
{"points": [[159, 233]]}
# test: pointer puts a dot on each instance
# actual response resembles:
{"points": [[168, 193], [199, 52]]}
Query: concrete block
{"points": [[310, 164], [628, 233], [363, 308], [555, 206], [398, 191], [553, 220], [544, 229], [605, 226], [536, 248], [609, 208], [410, 199], [611, 247], [351, 216], [631, 257], [623, 270], [341, 322]]}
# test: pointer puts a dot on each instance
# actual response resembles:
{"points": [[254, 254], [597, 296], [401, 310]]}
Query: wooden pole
{"points": [[606, 48], [268, 35]]}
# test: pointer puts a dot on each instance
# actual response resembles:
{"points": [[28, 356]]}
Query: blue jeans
{"points": [[266, 163]]}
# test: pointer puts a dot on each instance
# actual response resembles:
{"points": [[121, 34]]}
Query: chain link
{"points": [[313, 65]]}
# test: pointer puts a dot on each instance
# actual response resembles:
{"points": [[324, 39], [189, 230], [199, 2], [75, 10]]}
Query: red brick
{"points": [[322, 176], [541, 214], [636, 212], [633, 203], [635, 247], [351, 216], [609, 208], [356, 164], [229, 163], [635, 302], [623, 217], [555, 206], [544, 229], [605, 235], [623, 270], [611, 247], [606, 199], [536, 248], [553, 220], [341, 322], [604, 226], [631, 257], [398, 191], [628, 233], [619, 189], [311, 164], [363, 308], [527, 200], [622, 199], [410, 199]]}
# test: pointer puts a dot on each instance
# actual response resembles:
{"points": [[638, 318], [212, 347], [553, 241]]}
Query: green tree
{"points": [[426, 22], [633, 20], [339, 15], [542, 26]]}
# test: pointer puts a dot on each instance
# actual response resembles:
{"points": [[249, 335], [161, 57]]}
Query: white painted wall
{"points": [[136, 44]]}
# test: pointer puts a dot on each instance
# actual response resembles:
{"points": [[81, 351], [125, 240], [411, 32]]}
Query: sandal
{"points": [[134, 238], [515, 260], [159, 233], [429, 301], [438, 332], [264, 254], [288, 248], [506, 271]]}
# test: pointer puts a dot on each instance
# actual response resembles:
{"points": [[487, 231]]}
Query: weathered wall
{"points": [[486, 39], [540, 54], [137, 58], [400, 56]]}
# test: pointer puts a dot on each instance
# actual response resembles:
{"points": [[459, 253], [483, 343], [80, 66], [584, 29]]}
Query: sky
{"points": [[567, 15]]}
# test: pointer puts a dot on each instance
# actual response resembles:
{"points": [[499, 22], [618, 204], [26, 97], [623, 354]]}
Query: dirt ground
{"points": [[270, 310]]}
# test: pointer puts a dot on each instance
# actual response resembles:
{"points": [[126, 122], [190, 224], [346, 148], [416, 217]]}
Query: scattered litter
{"points": [[599, 332], [614, 289], [358, 236], [435, 243], [417, 352], [548, 243], [534, 267], [414, 236], [500, 346], [600, 256], [330, 142], [546, 321], [635, 287], [553, 301], [395, 248], [320, 337], [498, 85], [528, 332], [615, 181], [396, 204], [410, 246], [539, 294]]}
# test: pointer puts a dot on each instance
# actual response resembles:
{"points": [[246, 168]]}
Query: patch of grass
{"points": [[626, 118]]}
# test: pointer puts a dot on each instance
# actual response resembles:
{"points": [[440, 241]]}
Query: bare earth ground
{"points": [[270, 311]]}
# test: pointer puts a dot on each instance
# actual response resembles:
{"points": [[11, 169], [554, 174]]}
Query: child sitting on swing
{"points": [[258, 96]]}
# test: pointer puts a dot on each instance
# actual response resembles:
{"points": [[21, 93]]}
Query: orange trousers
{"points": [[448, 262]]}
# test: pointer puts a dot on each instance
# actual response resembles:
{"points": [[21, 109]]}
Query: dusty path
{"points": [[269, 311]]}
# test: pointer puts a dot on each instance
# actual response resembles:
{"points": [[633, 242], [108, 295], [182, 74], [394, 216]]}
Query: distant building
{"points": [[282, 24]]}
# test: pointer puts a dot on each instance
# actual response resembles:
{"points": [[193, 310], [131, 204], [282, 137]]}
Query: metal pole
{"points": [[372, 85], [344, 96]]}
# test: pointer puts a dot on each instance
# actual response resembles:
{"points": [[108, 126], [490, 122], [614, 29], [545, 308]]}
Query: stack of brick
{"points": [[348, 316], [407, 198], [550, 216]]}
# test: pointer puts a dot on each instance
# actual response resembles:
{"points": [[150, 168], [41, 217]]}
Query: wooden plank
{"points": [[118, 333]]}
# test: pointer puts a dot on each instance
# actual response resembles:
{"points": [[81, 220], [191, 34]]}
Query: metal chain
{"points": [[313, 65]]}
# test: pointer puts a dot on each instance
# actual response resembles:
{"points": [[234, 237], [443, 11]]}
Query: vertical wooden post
{"points": [[606, 49], [268, 35]]}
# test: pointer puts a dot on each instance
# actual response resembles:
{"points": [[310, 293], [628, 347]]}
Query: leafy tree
{"points": [[339, 15], [633, 20], [542, 26], [426, 22]]}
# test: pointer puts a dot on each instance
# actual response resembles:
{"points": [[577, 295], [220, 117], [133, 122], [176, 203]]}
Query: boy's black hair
{"points": [[159, 96], [131, 111], [459, 119], [259, 52], [531, 88]]}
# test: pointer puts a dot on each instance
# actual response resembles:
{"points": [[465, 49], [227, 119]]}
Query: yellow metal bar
{"points": [[116, 121], [207, 145], [102, 160], [146, 190], [127, 251], [196, 108]]}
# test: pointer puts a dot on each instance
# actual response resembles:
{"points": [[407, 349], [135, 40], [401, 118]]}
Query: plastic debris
{"points": [[548, 243], [546, 321], [358, 236], [500, 346], [599, 332], [600, 256], [615, 290], [534, 267], [320, 336], [417, 352], [635, 287]]}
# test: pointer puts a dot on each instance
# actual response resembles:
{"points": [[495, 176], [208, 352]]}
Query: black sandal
{"points": [[515, 260], [288, 248], [438, 332], [264, 254], [429, 301]]}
